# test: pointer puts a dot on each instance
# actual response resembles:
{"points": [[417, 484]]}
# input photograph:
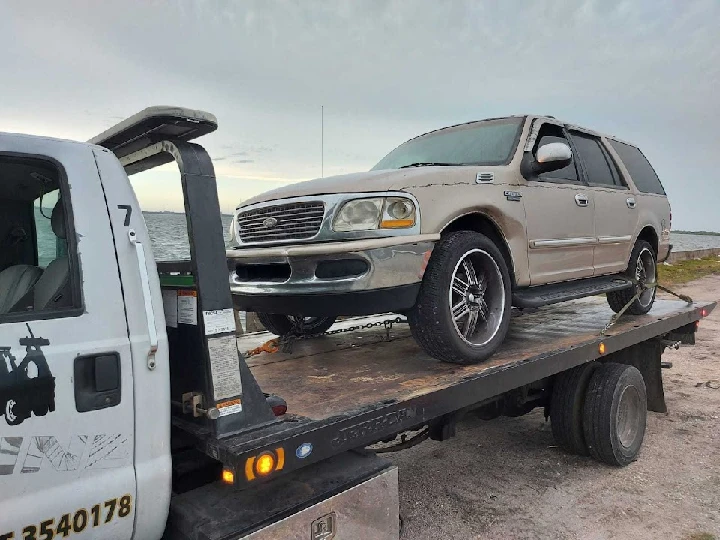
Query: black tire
{"points": [[566, 408], [282, 325], [615, 414], [617, 300], [431, 321], [41, 411]]}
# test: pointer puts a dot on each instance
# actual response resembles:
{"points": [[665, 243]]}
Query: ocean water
{"points": [[168, 234], [689, 242], [169, 237]]}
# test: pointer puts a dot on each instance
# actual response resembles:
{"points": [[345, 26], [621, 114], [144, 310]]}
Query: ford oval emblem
{"points": [[269, 222]]}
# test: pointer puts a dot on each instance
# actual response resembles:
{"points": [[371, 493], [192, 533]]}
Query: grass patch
{"points": [[702, 536], [684, 271]]}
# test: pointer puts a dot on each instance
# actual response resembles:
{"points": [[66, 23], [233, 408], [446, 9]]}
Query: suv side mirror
{"points": [[549, 157]]}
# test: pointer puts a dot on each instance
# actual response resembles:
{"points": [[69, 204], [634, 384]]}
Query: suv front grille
{"points": [[293, 221]]}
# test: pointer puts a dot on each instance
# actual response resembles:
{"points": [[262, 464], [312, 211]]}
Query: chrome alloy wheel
{"points": [[476, 297], [300, 323], [645, 272]]}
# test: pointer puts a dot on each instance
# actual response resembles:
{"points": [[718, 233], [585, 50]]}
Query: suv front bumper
{"points": [[359, 277]]}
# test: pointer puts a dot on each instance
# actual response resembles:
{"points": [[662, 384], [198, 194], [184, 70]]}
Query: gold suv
{"points": [[454, 227]]}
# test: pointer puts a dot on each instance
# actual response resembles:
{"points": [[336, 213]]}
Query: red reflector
{"points": [[279, 410], [703, 312], [697, 324]]}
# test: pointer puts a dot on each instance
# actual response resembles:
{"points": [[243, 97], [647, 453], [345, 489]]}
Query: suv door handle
{"points": [[630, 201], [97, 381], [581, 199]]}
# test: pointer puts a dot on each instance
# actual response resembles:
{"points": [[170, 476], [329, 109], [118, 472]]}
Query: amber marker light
{"points": [[228, 476], [265, 464], [601, 348], [397, 223]]}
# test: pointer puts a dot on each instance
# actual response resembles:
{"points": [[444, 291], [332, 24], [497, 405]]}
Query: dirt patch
{"points": [[505, 478]]}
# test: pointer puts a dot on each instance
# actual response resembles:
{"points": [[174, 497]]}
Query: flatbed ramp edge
{"points": [[349, 390]]}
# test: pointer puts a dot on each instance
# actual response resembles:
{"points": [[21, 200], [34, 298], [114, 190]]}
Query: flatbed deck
{"points": [[349, 390]]}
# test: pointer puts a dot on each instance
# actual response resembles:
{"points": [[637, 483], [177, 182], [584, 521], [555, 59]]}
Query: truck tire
{"points": [[14, 414], [282, 325], [566, 408], [615, 414], [462, 312], [642, 267]]}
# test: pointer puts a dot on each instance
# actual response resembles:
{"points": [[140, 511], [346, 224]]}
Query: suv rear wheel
{"points": [[282, 325], [643, 269], [463, 309]]}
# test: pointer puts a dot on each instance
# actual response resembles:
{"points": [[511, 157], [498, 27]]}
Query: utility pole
{"points": [[322, 141]]}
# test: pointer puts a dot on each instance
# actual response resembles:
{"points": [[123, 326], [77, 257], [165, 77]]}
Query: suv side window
{"points": [[39, 276], [641, 172], [598, 167], [549, 134]]}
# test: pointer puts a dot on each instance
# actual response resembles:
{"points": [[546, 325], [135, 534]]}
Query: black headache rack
{"points": [[344, 391]]}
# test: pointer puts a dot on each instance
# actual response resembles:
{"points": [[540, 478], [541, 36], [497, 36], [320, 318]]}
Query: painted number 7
{"points": [[128, 212]]}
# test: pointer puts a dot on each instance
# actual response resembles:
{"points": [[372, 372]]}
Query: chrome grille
{"points": [[293, 221]]}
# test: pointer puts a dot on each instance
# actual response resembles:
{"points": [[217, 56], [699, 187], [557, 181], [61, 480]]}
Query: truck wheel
{"points": [[462, 311], [643, 268], [41, 410], [566, 408], [615, 414], [13, 414], [282, 325]]}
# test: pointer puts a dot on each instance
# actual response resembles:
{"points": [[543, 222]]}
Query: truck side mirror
{"points": [[549, 157]]}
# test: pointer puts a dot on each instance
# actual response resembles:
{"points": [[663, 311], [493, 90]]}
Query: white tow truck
{"points": [[130, 409]]}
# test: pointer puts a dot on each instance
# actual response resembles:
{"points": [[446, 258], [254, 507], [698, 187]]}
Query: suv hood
{"points": [[385, 180]]}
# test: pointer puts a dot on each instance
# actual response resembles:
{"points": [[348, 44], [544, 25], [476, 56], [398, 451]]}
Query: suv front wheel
{"points": [[283, 325], [463, 309]]}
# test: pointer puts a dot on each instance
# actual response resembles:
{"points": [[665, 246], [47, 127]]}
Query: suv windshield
{"points": [[490, 142]]}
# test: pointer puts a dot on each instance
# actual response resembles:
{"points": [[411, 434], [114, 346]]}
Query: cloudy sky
{"points": [[648, 72]]}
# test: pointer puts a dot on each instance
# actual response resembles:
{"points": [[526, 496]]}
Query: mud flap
{"points": [[646, 357]]}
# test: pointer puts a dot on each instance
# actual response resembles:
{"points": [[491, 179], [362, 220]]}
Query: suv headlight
{"points": [[398, 213], [375, 213]]}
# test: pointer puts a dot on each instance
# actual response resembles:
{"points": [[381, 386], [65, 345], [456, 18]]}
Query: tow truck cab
{"points": [[89, 364]]}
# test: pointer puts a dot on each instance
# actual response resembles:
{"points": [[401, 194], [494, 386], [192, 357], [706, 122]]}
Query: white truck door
{"points": [[151, 374], [66, 373]]}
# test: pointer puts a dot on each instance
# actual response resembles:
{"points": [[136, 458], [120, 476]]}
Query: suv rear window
{"points": [[639, 168]]}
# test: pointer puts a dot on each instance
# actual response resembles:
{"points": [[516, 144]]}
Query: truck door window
{"points": [[548, 134], [48, 245], [38, 264], [601, 171]]}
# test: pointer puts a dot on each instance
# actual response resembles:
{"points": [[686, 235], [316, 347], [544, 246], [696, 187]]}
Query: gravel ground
{"points": [[506, 479]]}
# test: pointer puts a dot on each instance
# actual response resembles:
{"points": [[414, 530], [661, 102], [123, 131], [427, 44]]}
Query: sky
{"points": [[384, 71]]}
